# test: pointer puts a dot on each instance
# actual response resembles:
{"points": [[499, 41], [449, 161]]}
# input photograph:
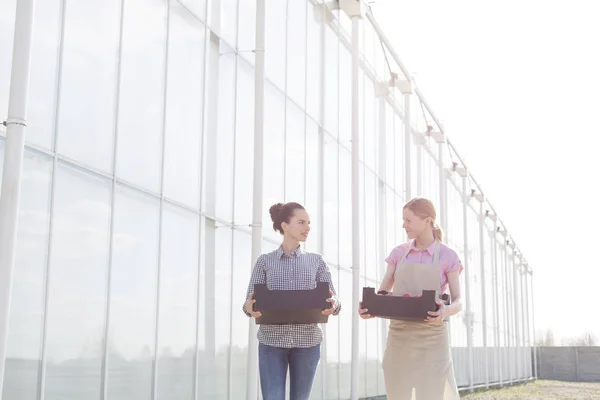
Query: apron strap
{"points": [[436, 253], [405, 254]]}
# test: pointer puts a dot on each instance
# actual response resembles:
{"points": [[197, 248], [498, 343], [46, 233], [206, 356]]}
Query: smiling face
{"points": [[415, 225], [298, 227]]}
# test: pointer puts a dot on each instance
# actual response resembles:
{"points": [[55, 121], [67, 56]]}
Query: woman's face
{"points": [[298, 227], [413, 224]]}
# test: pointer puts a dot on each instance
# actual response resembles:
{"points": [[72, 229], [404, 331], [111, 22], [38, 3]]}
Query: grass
{"points": [[542, 390]]}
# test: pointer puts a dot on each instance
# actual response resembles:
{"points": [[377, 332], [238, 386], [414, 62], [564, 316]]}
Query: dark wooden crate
{"points": [[397, 307], [280, 307]]}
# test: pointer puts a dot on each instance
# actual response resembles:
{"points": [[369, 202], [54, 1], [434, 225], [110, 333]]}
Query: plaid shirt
{"points": [[298, 271]]}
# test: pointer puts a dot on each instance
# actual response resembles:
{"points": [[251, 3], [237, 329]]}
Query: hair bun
{"points": [[275, 210]]}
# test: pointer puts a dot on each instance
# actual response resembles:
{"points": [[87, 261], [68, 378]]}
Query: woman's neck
{"points": [[424, 240], [290, 245]]}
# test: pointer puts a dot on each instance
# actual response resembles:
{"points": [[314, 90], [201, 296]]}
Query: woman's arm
{"points": [[258, 277], [387, 283], [324, 275], [456, 300], [455, 307]]}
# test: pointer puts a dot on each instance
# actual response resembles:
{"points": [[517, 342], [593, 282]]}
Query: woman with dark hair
{"points": [[289, 268]]}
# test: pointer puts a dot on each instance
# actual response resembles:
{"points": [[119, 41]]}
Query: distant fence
{"points": [[574, 364]]}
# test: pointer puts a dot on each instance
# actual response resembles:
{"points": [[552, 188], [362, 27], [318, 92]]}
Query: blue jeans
{"points": [[273, 364]]}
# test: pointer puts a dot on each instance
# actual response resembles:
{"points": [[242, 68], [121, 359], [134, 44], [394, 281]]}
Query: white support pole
{"points": [[407, 148], [507, 312], [443, 182], [517, 358], [16, 124], [419, 163], [469, 317], [535, 353], [528, 325], [524, 339], [483, 291], [320, 15], [511, 310], [382, 234], [354, 374], [257, 189], [497, 302]]}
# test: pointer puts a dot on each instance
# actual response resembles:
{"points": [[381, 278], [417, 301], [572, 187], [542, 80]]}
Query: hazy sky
{"points": [[517, 85]]}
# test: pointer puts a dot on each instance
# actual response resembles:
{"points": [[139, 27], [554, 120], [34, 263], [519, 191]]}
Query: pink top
{"points": [[449, 260]]}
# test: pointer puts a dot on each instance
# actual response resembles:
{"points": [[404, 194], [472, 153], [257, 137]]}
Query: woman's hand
{"points": [[439, 315], [333, 301], [249, 306], [363, 312]]}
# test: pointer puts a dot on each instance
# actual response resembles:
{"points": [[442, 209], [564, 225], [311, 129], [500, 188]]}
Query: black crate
{"points": [[397, 307], [279, 307]]}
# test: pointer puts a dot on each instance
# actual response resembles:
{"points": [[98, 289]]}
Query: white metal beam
{"points": [[14, 146], [257, 188]]}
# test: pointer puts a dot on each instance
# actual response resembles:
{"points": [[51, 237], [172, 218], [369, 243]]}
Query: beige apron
{"points": [[417, 355]]}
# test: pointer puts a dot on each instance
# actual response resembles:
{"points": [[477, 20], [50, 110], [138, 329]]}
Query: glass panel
{"points": [[362, 353], [345, 208], [275, 38], [215, 361], [185, 91], [196, 7], [141, 95], [391, 158], [88, 83], [296, 55], [313, 65], [371, 105], [373, 361], [345, 96], [333, 345], [313, 176], [374, 263], [331, 82], [225, 134], [244, 143], [229, 21], [399, 146], [330, 198], [400, 232], [77, 288], [390, 215], [370, 39], [44, 61], [414, 177], [27, 301], [294, 154], [178, 303], [247, 29], [133, 295], [242, 267], [274, 156]]}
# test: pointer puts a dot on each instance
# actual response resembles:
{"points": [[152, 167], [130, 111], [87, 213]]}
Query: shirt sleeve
{"points": [[323, 275], [455, 264], [395, 255], [258, 277]]}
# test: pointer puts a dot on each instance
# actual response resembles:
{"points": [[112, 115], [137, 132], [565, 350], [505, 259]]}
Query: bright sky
{"points": [[517, 87]]}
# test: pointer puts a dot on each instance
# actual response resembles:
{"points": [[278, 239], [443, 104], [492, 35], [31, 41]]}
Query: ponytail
{"points": [[438, 233]]}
